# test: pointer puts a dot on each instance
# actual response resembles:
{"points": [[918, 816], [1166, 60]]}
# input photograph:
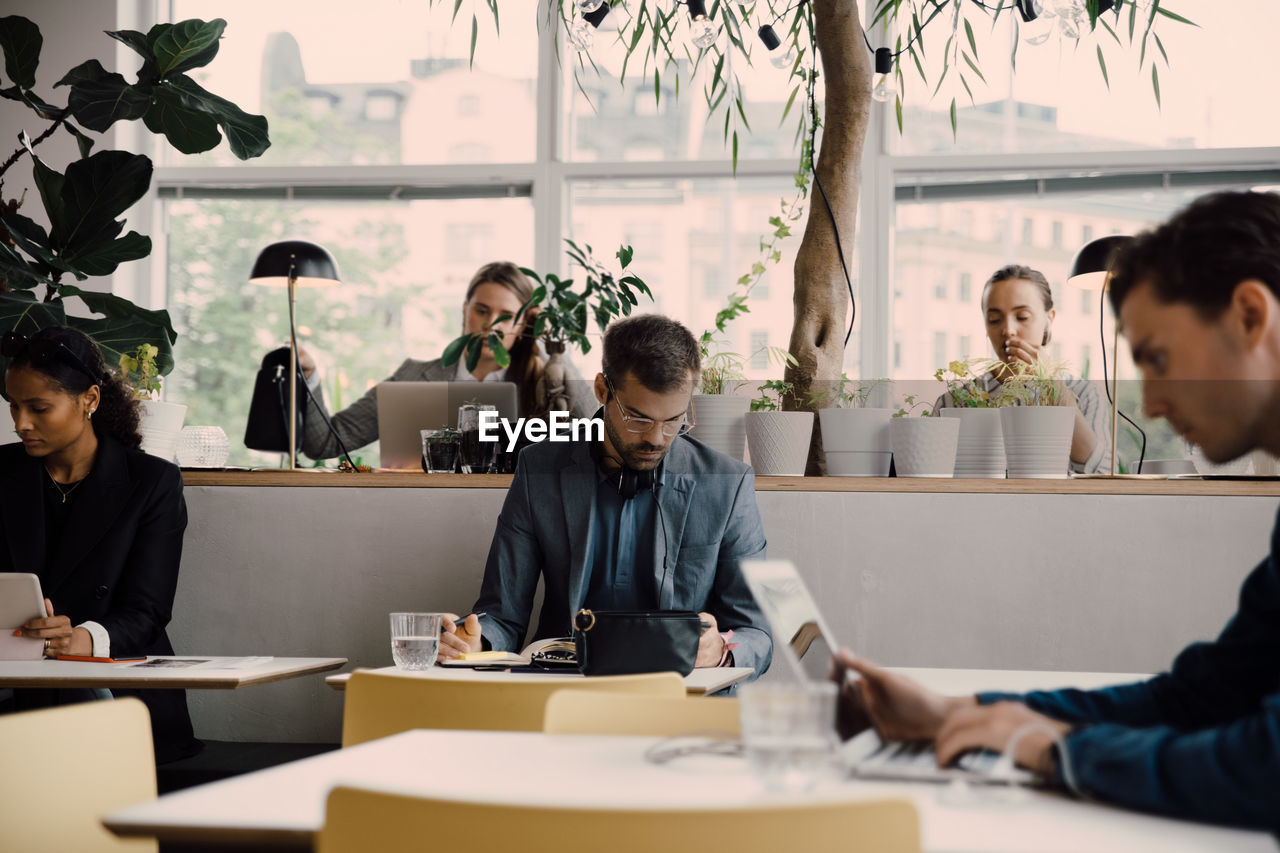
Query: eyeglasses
{"points": [[43, 351], [640, 425]]}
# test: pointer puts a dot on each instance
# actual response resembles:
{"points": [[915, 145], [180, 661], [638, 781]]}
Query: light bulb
{"points": [[580, 35], [784, 59], [702, 32], [1036, 31], [586, 7], [1068, 26], [884, 90]]}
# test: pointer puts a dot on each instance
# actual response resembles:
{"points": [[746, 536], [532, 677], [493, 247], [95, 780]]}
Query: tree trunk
{"points": [[821, 295]]}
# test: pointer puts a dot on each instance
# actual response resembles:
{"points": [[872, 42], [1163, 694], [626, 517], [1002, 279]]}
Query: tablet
{"points": [[20, 601]]}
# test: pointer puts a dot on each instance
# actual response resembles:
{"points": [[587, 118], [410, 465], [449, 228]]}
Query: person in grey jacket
{"points": [[496, 289], [647, 519]]}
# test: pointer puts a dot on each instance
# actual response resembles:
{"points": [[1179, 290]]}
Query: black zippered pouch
{"points": [[622, 642]]}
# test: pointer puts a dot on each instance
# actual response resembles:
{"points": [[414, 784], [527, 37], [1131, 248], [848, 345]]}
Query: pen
{"points": [[459, 621], [91, 659]]}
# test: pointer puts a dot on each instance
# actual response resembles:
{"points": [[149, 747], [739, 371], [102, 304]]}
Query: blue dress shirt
{"points": [[619, 573]]}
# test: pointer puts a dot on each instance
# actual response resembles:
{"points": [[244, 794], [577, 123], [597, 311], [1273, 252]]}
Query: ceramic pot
{"points": [[924, 447], [980, 448], [160, 425], [779, 442], [719, 423], [1037, 440], [856, 441]]}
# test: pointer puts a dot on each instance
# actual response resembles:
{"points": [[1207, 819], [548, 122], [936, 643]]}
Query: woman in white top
{"points": [[1018, 305]]}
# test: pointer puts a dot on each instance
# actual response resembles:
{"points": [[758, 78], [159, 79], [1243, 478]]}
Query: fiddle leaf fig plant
{"points": [[85, 204]]}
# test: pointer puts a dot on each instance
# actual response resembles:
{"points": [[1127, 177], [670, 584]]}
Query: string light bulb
{"points": [[884, 89], [702, 31], [783, 59], [586, 7], [580, 35]]}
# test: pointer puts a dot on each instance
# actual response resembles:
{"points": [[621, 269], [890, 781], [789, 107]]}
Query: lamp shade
{"points": [[1092, 265], [311, 265]]}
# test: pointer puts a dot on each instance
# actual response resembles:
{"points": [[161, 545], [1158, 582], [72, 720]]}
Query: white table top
{"points": [[284, 806], [698, 682], [216, 672]]}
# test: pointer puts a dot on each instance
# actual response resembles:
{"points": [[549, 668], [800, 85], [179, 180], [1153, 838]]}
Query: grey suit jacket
{"points": [[708, 504], [358, 423]]}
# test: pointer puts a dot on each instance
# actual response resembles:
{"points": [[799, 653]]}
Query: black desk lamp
{"points": [[1091, 270], [294, 264]]}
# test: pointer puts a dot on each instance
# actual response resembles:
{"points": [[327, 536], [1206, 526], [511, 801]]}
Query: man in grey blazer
{"points": [[648, 519]]}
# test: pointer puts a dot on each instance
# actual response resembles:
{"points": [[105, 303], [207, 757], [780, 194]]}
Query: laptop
{"points": [[407, 408], [805, 641]]}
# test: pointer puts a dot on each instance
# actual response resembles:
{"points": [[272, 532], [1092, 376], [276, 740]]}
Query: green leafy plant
{"points": [[845, 393], [1038, 384], [722, 372], [963, 381], [84, 204], [910, 404], [564, 313], [772, 395], [141, 372]]}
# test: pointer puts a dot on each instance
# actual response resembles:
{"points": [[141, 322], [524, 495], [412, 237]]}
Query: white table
{"points": [[697, 683], [216, 672], [284, 806]]}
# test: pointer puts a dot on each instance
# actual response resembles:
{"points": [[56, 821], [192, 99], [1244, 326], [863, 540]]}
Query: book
{"points": [[559, 652]]}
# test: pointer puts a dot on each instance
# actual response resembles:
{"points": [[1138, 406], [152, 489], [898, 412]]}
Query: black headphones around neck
{"points": [[628, 481]]}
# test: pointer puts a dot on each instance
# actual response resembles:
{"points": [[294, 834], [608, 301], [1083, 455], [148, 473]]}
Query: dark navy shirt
{"points": [[1201, 741], [620, 567]]}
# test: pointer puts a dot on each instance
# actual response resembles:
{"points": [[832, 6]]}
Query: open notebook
{"points": [[803, 639], [550, 653]]}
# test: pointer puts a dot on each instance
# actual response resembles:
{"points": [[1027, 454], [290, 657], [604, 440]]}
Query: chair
{"points": [[380, 704], [584, 712], [66, 767], [359, 820]]}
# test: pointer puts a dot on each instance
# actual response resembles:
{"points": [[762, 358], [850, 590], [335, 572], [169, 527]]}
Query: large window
{"points": [[414, 168]]}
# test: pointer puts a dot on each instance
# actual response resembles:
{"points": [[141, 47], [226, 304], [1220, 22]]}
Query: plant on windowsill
{"points": [[1037, 416], [160, 422], [778, 439], [855, 436], [718, 409], [980, 448], [923, 446], [560, 316], [83, 206]]}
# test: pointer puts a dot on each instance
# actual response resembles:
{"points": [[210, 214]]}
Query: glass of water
{"points": [[415, 637], [788, 731]]}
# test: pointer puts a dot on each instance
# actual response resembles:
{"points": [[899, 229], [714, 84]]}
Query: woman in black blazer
{"points": [[99, 521]]}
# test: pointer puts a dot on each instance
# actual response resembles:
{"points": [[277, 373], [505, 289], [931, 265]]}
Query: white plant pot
{"points": [[160, 425], [856, 442], [1037, 440], [779, 442], [924, 447], [719, 423], [980, 448]]}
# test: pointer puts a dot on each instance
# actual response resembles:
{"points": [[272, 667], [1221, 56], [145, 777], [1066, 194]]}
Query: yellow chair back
{"points": [[583, 712], [359, 820], [379, 704], [67, 767]]}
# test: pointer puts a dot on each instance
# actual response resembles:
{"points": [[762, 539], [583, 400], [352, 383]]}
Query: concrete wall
{"points": [[1054, 582]]}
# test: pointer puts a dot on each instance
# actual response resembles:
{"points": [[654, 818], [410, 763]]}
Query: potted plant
{"points": [[83, 206], [159, 422], [779, 440], [980, 448], [720, 413], [563, 315], [1037, 417], [855, 437], [923, 446]]}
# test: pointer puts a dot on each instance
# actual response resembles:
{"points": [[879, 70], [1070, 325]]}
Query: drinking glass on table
{"points": [[415, 638], [788, 731], [477, 455]]}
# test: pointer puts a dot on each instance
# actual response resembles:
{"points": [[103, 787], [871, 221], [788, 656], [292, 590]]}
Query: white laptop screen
{"points": [[800, 633]]}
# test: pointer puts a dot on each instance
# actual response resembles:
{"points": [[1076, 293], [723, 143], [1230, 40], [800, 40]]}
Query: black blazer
{"points": [[117, 563]]}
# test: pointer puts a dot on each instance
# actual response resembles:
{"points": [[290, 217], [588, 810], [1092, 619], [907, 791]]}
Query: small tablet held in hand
{"points": [[20, 602]]}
